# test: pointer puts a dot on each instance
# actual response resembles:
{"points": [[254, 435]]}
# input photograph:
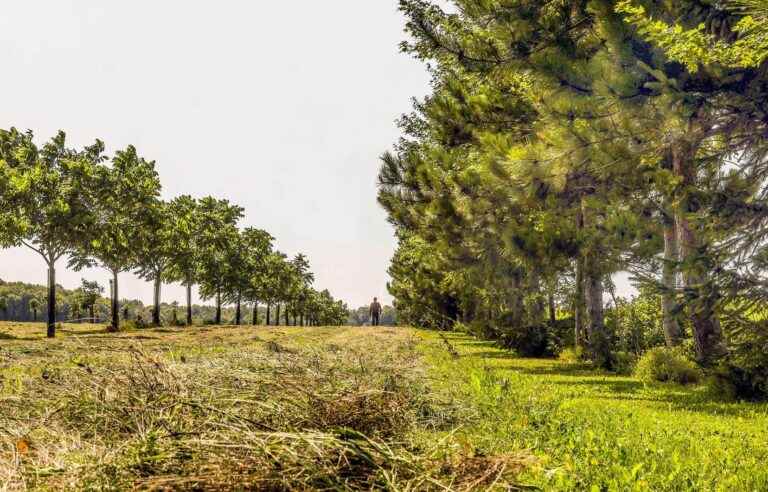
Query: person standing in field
{"points": [[375, 312]]}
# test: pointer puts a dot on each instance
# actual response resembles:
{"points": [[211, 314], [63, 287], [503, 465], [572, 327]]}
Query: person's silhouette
{"points": [[375, 312]]}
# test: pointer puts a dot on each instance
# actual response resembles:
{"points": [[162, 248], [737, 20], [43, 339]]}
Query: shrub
{"points": [[624, 362], [571, 355], [528, 341], [744, 371], [667, 365]]}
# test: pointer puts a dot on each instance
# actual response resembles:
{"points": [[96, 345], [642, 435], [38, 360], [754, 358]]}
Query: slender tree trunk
{"points": [[218, 306], [237, 311], [301, 318], [255, 318], [597, 333], [537, 316], [51, 332], [578, 308], [156, 307], [269, 309], [115, 303], [672, 331], [599, 340], [706, 325], [277, 318], [91, 311], [287, 321], [578, 305], [189, 302], [552, 309], [34, 315]]}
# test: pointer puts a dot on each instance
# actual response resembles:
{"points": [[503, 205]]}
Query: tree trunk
{"points": [[91, 311], [34, 315], [598, 338], [156, 307], [237, 311], [255, 319], [269, 309], [189, 302], [552, 309], [537, 316], [51, 332], [115, 304], [285, 311], [301, 318], [218, 306], [578, 307], [672, 331], [277, 318], [597, 334], [706, 325]]}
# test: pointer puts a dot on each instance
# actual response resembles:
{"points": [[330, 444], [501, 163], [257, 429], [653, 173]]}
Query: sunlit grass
{"points": [[600, 431], [179, 408]]}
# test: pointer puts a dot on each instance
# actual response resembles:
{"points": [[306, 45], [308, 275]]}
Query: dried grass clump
{"points": [[262, 416]]}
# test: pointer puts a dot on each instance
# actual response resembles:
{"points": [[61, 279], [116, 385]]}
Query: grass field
{"points": [[349, 408]]}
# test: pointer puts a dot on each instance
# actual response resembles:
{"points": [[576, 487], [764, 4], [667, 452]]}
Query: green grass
{"points": [[348, 409], [594, 431]]}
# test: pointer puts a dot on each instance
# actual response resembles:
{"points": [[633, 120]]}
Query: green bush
{"points": [[744, 371], [571, 355], [624, 362], [667, 365]]}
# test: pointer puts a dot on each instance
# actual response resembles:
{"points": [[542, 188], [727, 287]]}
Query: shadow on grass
{"points": [[8, 336], [610, 387], [75, 333]]}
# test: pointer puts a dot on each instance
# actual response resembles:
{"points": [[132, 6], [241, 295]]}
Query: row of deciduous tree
{"points": [[93, 210], [567, 141]]}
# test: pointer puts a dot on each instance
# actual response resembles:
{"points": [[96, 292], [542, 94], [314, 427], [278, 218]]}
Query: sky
{"points": [[280, 107]]}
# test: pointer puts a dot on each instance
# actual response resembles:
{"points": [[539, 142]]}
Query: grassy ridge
{"points": [[349, 409]]}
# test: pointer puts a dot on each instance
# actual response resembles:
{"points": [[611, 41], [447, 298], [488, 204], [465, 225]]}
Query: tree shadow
{"points": [[621, 387], [9, 337], [613, 387], [76, 333]]}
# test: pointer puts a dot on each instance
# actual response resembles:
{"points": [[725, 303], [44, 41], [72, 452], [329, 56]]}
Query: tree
{"points": [[4, 306], [156, 249], [123, 193], [300, 286], [254, 277], [217, 236], [607, 130], [273, 281], [14, 182], [183, 236], [245, 266], [90, 293], [53, 199], [34, 305]]}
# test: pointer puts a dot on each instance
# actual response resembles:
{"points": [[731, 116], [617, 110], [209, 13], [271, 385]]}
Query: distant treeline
{"points": [[24, 302]]}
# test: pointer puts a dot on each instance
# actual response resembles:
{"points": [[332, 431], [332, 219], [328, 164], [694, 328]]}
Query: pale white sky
{"points": [[281, 107]]}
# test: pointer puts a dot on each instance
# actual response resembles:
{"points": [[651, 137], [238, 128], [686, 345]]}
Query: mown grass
{"points": [[595, 431], [230, 408]]}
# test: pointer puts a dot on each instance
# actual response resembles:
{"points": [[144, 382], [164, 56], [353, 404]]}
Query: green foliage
{"points": [[571, 355], [744, 371], [698, 47], [661, 364], [637, 322]]}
